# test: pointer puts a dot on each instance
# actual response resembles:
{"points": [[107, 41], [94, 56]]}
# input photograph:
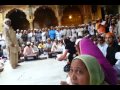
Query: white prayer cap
{"points": [[83, 25], [28, 43], [117, 55], [17, 30], [23, 45], [103, 22]]}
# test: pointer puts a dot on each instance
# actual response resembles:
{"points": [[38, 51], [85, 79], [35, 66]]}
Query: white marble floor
{"points": [[40, 72]]}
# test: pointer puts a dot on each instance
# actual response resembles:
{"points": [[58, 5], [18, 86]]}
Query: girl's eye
{"points": [[79, 72]]}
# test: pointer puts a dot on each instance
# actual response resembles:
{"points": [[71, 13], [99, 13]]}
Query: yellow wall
{"points": [[97, 14], [85, 12], [1, 21]]}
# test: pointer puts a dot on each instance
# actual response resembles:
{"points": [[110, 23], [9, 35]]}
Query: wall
{"points": [[1, 22], [86, 10]]}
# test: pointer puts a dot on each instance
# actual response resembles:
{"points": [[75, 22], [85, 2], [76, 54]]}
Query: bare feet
{"points": [[15, 66]]}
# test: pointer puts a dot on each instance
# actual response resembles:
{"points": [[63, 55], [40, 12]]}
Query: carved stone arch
{"points": [[54, 9], [49, 18], [74, 12], [45, 6], [18, 18], [8, 10]]}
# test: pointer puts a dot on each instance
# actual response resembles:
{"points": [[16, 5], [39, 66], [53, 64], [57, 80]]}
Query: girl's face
{"points": [[78, 73]]}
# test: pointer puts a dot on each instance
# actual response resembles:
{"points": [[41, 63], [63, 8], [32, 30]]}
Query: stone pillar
{"points": [[99, 13], [59, 20], [119, 9], [87, 13], [30, 19], [1, 21], [30, 16], [31, 24], [58, 14]]}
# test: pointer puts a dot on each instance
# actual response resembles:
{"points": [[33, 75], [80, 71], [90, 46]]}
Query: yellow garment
{"points": [[41, 45], [97, 26]]}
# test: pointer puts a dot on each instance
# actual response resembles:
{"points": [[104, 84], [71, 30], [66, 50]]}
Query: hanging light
{"points": [[70, 17]]}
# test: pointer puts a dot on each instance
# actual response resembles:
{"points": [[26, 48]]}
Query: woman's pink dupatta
{"points": [[88, 47]]}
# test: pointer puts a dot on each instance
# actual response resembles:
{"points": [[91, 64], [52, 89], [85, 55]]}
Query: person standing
{"points": [[113, 47], [11, 42], [52, 33], [102, 45]]}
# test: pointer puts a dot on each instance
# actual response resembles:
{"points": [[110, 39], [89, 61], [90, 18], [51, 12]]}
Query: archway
{"points": [[44, 17], [71, 16], [18, 19], [112, 9]]}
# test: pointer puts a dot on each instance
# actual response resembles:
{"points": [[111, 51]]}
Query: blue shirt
{"points": [[52, 34]]}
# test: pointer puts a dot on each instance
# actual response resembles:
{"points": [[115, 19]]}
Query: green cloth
{"points": [[94, 69]]}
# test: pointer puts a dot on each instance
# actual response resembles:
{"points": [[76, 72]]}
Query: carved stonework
{"points": [[86, 11]]}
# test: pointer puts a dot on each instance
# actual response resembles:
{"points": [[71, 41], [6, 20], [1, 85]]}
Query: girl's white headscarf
{"points": [[5, 25]]}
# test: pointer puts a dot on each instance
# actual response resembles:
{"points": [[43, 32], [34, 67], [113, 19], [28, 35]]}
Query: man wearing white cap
{"points": [[11, 42]]}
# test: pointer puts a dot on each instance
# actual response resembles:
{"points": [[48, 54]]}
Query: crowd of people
{"points": [[87, 47]]}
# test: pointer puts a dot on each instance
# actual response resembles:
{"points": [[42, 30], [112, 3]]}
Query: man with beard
{"points": [[11, 42]]}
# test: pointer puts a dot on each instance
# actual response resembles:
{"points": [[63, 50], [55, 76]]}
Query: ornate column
{"points": [[85, 11], [99, 13], [30, 17], [119, 9], [31, 23], [58, 14], [1, 19], [59, 20]]}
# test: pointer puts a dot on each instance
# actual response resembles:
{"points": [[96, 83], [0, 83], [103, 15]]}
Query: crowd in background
{"points": [[50, 39], [105, 34]]}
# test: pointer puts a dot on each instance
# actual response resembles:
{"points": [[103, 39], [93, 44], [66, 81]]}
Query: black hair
{"points": [[67, 41]]}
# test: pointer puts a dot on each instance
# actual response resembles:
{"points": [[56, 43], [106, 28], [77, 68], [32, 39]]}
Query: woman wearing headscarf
{"points": [[11, 42], [85, 70], [86, 46]]}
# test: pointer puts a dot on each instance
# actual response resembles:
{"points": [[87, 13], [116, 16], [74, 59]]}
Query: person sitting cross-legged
{"points": [[28, 52]]}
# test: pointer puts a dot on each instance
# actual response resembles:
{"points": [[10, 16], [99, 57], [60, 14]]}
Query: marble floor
{"points": [[39, 72]]}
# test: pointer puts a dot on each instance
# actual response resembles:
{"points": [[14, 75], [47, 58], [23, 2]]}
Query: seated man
{"points": [[35, 48], [41, 47], [48, 47], [28, 52], [57, 47]]}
